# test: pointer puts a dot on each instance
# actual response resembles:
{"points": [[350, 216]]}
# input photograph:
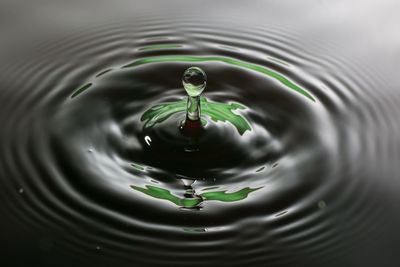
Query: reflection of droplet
{"points": [[103, 72], [321, 204], [147, 139], [275, 164], [188, 182], [21, 190], [98, 248]]}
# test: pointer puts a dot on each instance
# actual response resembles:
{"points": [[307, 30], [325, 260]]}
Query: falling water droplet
{"points": [[21, 191]]}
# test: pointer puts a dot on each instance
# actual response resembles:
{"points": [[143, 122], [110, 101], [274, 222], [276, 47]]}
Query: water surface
{"points": [[311, 179]]}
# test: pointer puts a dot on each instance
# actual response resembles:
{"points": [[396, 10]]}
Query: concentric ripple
{"points": [[298, 185]]}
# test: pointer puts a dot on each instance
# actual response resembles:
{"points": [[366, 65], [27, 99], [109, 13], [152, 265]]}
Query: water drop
{"points": [[194, 81], [21, 191]]}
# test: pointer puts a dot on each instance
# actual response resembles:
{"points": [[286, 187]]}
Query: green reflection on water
{"points": [[260, 169], [137, 167], [195, 230], [216, 111], [81, 90], [281, 213], [161, 193], [231, 61], [229, 197], [103, 72]]}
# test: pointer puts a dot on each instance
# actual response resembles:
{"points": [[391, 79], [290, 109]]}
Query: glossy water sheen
{"points": [[296, 164]]}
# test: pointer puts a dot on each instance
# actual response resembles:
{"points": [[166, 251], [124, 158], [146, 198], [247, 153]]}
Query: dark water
{"points": [[314, 182]]}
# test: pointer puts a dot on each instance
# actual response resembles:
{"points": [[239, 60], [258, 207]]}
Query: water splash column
{"points": [[194, 81]]}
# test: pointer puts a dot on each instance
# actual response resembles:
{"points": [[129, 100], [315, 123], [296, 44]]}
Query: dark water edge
{"points": [[318, 83]]}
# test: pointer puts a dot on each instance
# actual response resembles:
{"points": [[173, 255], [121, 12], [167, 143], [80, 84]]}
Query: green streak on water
{"points": [[229, 197], [81, 90], [158, 192], [260, 169], [223, 112], [216, 111], [281, 213], [193, 230], [103, 72], [162, 193], [231, 61], [190, 202], [159, 47], [137, 167], [160, 112]]}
